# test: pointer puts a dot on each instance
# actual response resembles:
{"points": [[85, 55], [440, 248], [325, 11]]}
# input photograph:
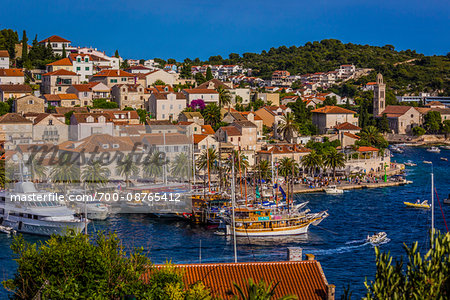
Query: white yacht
{"points": [[377, 238], [434, 149], [95, 210], [333, 190], [28, 210]]}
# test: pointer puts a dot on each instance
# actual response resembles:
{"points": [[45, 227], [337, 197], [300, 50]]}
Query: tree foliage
{"points": [[425, 276]]}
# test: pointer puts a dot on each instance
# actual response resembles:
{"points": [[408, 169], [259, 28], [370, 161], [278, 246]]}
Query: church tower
{"points": [[379, 96]]}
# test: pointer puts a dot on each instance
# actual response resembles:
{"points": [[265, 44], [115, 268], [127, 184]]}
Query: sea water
{"points": [[338, 243]]}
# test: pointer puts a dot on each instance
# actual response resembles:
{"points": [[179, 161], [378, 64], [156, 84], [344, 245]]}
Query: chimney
{"points": [[294, 253], [330, 291], [309, 256], [118, 73]]}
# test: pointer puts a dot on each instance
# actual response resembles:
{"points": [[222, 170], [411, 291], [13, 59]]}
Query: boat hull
{"points": [[44, 228], [295, 230], [414, 205]]}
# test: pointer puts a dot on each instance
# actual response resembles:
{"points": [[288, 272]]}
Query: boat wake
{"points": [[385, 241], [355, 242], [338, 250]]}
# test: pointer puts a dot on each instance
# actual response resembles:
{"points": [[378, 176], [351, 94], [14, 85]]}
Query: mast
{"points": [[273, 180], [233, 203], [207, 161], [432, 200]]}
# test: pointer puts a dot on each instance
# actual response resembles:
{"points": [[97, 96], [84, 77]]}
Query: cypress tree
{"points": [[117, 53], [24, 47], [64, 54], [209, 75]]}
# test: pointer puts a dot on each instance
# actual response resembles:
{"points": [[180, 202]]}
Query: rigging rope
{"points": [[443, 216]]}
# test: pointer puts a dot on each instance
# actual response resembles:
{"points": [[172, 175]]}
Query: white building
{"points": [[166, 106], [4, 59], [100, 58], [12, 76], [82, 65], [207, 95], [58, 44]]}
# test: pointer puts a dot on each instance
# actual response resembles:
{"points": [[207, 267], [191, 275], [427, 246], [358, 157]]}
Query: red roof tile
{"points": [[4, 53], [367, 149], [113, 73], [11, 72], [200, 91], [55, 39], [304, 279], [60, 72], [62, 62], [347, 126]]}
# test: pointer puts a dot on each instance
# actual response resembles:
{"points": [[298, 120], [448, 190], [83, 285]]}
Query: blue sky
{"points": [[179, 29]]}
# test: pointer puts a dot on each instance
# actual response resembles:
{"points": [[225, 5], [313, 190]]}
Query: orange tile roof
{"points": [[18, 88], [304, 279], [73, 56], [184, 123], [199, 137], [333, 110], [54, 38], [11, 72], [4, 53], [351, 135], [60, 72], [347, 126], [67, 96], [113, 73], [13, 118], [393, 111], [231, 130], [367, 149], [207, 129], [82, 87], [62, 62]]}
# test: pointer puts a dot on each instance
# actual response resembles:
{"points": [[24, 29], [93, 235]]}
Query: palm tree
{"points": [[312, 161], [288, 167], [206, 158], [65, 172], [260, 291], [127, 167], [224, 97], [371, 135], [95, 175], [211, 114], [153, 165], [334, 159], [264, 169], [38, 170], [181, 166], [288, 127]]}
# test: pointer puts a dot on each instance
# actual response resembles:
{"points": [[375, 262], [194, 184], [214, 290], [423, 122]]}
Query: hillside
{"points": [[422, 73]]}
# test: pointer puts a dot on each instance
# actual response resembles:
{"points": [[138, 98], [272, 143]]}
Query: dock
{"points": [[301, 188]]}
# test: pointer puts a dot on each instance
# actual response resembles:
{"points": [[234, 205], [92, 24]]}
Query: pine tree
{"points": [[117, 54]]}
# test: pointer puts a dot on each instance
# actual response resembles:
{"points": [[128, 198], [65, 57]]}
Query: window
{"points": [[163, 116], [126, 98], [73, 102], [50, 122], [124, 79], [113, 80], [85, 94], [78, 59], [163, 106], [54, 45], [86, 69], [59, 89], [30, 101], [231, 139], [78, 68], [86, 59], [171, 106]]}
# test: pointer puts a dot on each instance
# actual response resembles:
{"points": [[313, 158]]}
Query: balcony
{"points": [[63, 81]]}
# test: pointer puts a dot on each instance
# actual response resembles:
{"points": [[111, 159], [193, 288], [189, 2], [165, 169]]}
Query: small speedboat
{"points": [[424, 204], [396, 149], [434, 149], [333, 190], [447, 200], [446, 147], [444, 158], [427, 162], [410, 163], [7, 229], [377, 238]]}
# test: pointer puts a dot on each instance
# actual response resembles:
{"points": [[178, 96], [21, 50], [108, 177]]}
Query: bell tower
{"points": [[379, 96]]}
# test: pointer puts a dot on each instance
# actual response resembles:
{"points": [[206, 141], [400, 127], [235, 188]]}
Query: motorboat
{"points": [[396, 149], [7, 229], [427, 162], [20, 211], [444, 158], [377, 238], [333, 190], [447, 200], [410, 163], [434, 149], [424, 204], [446, 147], [95, 210]]}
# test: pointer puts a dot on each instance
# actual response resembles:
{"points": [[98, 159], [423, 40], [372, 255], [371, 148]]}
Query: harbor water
{"points": [[337, 243]]}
